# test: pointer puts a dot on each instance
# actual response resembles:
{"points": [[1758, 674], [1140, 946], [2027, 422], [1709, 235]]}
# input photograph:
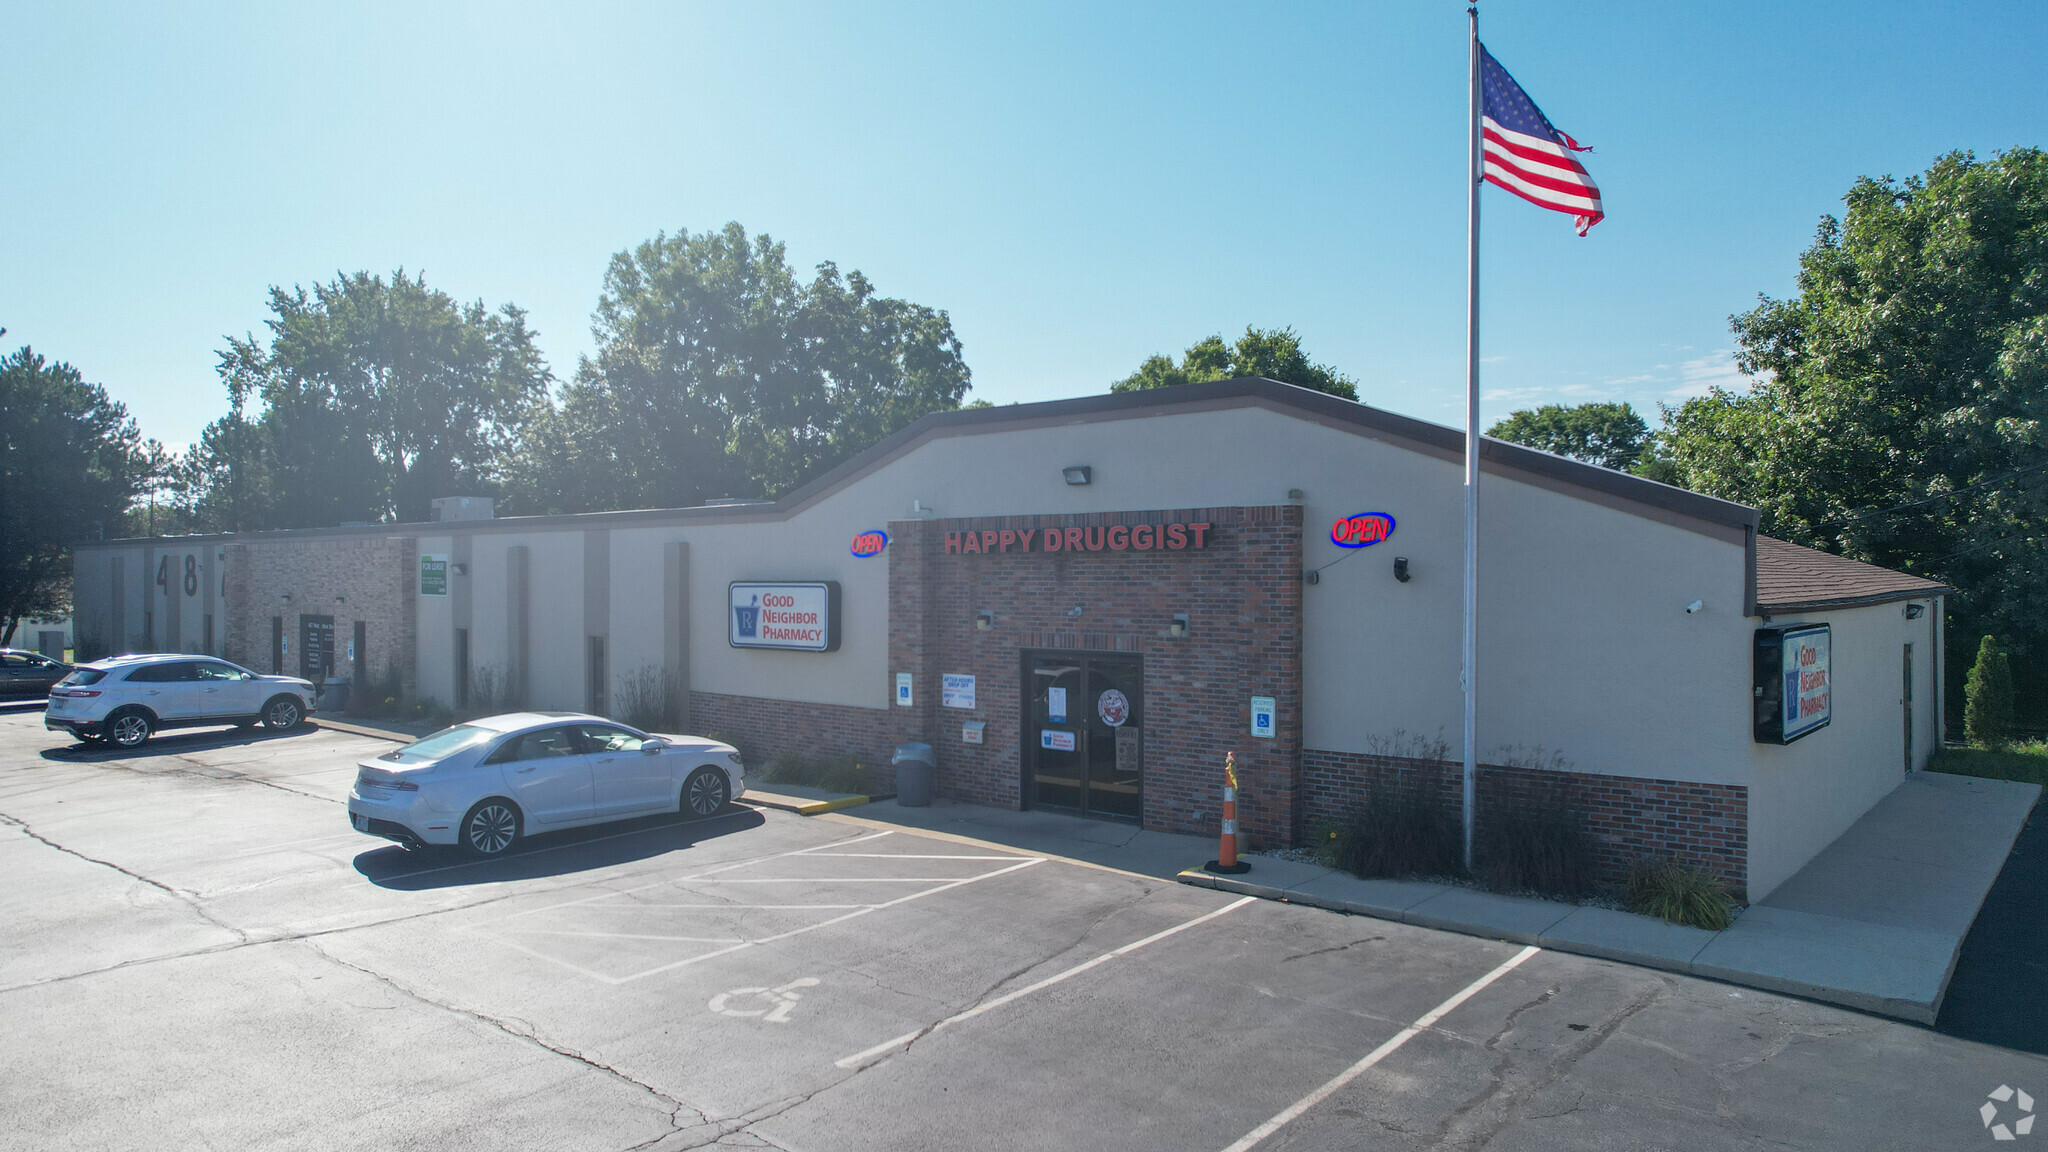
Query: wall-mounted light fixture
{"points": [[1294, 494], [341, 599], [1078, 474], [287, 598], [1312, 576], [983, 621], [461, 569], [1179, 627], [1914, 611], [1074, 611], [1401, 569]]}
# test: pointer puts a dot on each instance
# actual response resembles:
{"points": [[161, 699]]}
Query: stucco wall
{"points": [[1805, 794]]}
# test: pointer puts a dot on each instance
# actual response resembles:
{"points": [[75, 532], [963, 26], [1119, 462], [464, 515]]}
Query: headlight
{"points": [[736, 761]]}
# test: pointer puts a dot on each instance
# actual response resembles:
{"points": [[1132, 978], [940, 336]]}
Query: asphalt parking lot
{"points": [[200, 953]]}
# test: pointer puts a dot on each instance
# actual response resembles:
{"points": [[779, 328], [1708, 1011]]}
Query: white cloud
{"points": [[1714, 370]]}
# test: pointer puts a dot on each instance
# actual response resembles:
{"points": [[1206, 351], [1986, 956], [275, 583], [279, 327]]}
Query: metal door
{"points": [[1084, 734], [316, 647], [1906, 699]]}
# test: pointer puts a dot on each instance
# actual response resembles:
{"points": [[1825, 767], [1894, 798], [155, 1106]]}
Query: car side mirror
{"points": [[653, 744]]}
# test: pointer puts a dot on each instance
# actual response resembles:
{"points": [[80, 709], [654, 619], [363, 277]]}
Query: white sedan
{"points": [[485, 784]]}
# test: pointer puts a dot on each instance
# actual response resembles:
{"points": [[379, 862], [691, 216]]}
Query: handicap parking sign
{"points": [[1262, 716]]}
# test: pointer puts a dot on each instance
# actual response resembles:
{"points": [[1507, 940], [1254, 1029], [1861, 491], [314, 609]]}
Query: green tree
{"points": [[1274, 353], [72, 462], [1987, 694], [1608, 434], [371, 398], [1897, 414], [718, 372]]}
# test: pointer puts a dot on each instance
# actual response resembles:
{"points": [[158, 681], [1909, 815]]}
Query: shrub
{"points": [[832, 773], [490, 692], [646, 699], [1679, 893], [377, 695], [1396, 833], [1537, 847], [1987, 695]]}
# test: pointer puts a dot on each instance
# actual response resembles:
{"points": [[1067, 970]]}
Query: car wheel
{"points": [[490, 829], [128, 728], [283, 712], [705, 793]]}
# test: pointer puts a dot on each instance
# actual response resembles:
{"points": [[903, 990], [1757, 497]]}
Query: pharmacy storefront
{"points": [[1083, 605]]}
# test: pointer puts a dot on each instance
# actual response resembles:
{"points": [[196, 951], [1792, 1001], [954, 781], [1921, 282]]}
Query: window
{"points": [[14, 660], [541, 745], [446, 742], [609, 738], [215, 670], [155, 673]]}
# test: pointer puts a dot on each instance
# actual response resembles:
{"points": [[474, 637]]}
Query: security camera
{"points": [[1695, 606]]}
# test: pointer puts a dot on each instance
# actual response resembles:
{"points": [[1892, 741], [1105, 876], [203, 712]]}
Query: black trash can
{"points": [[333, 698], [914, 772]]}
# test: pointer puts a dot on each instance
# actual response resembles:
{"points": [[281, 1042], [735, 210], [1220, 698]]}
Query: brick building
{"points": [[1082, 605]]}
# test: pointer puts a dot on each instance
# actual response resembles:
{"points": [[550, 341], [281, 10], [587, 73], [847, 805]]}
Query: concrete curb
{"points": [[395, 735], [801, 805]]}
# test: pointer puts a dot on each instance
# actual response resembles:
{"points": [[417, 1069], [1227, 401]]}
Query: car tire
{"points": [[128, 728], [283, 712], [705, 794], [490, 829]]}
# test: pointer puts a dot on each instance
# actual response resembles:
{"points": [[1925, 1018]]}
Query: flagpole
{"points": [[1469, 674]]}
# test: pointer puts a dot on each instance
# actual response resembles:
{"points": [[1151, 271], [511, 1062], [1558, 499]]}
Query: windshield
{"points": [[84, 676], [446, 742]]}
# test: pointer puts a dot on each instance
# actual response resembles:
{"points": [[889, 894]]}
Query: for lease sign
{"points": [[794, 617], [1806, 680]]}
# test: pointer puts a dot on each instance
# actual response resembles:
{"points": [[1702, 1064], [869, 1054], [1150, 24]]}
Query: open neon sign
{"points": [[1361, 529], [870, 543]]}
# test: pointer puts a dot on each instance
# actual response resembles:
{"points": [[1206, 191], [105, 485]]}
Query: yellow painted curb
{"points": [[798, 804]]}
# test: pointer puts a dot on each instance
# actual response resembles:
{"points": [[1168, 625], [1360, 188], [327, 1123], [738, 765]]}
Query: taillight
{"points": [[75, 693], [363, 779]]}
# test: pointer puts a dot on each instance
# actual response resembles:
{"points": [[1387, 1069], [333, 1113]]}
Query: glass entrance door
{"points": [[1084, 734]]}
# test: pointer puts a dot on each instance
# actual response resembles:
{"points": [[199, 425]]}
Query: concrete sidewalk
{"points": [[1120, 847], [1874, 922]]}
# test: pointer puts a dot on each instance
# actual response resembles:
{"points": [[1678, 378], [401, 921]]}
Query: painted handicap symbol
{"points": [[780, 1000]]}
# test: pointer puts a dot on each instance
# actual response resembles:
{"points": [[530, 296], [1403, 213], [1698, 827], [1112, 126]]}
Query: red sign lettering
{"points": [[1099, 538]]}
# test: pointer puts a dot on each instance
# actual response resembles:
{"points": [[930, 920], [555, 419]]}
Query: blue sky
{"points": [[1079, 185]]}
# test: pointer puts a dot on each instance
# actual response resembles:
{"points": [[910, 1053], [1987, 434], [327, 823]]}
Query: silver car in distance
{"points": [[486, 784]]}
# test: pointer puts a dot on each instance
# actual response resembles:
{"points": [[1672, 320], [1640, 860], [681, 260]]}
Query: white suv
{"points": [[123, 699]]}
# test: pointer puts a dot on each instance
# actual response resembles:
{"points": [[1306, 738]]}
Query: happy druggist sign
{"points": [[1099, 538], [790, 617]]}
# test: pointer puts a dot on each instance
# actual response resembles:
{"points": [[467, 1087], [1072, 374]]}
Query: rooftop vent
{"points": [[463, 508]]}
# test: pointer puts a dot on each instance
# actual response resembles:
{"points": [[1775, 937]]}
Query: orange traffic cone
{"points": [[1227, 861]]}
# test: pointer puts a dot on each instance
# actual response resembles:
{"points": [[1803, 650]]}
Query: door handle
{"points": [[524, 771]]}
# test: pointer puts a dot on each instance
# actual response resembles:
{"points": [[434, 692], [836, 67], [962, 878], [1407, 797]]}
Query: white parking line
{"points": [[502, 929], [912, 856], [694, 876], [887, 1046], [837, 879], [1423, 1024], [632, 936]]}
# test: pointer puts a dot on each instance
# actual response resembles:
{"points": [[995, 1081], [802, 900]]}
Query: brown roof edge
{"points": [[1779, 609], [1794, 578], [1336, 410]]}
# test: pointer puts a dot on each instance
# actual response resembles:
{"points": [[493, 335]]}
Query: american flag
{"points": [[1526, 155]]}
